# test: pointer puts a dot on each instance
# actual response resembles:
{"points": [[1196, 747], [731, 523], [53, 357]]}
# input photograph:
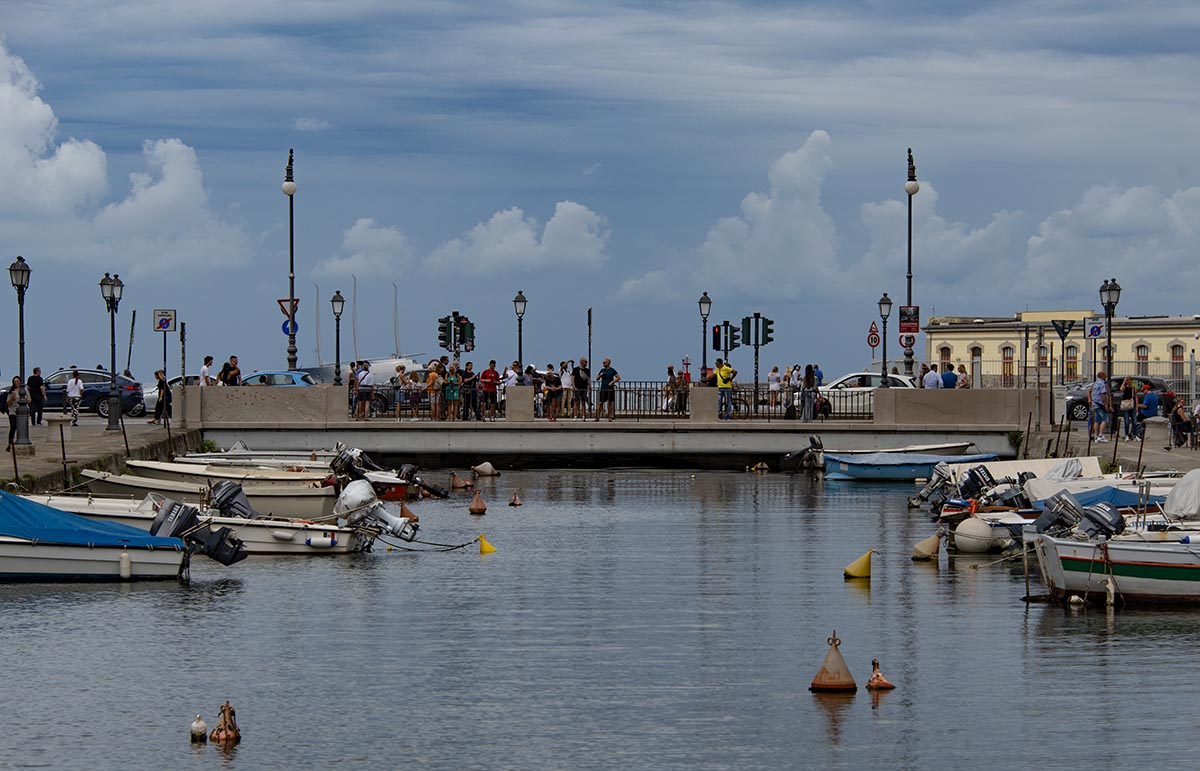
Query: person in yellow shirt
{"points": [[725, 375]]}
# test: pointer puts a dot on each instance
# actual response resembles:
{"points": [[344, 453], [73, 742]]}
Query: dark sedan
{"points": [[95, 392]]}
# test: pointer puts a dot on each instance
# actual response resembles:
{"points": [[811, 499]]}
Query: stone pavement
{"points": [[1153, 455], [90, 445]]}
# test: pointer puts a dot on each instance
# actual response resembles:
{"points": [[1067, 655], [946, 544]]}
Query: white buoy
{"points": [[974, 536], [485, 469], [199, 730], [126, 564]]}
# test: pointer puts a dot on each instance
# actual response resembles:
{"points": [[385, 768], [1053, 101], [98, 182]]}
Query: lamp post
{"points": [[911, 187], [519, 303], [19, 273], [339, 304], [110, 290], [705, 303], [1110, 295], [289, 189], [885, 310]]}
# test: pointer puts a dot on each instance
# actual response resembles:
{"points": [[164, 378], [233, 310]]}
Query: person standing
{"points": [[399, 383], [567, 382], [489, 381], [366, 387], [725, 375], [205, 376], [1101, 406], [581, 378], [36, 386], [452, 388], [74, 396], [1127, 405], [931, 379], [809, 391], [162, 408], [608, 379], [949, 379], [921, 377], [773, 382], [10, 406], [964, 380], [233, 375], [820, 375], [433, 387], [552, 383], [470, 392]]}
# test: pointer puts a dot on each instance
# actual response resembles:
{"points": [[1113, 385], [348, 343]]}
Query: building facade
{"points": [[1021, 350]]}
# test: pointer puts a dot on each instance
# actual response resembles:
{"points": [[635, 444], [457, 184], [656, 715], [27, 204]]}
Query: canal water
{"points": [[630, 619]]}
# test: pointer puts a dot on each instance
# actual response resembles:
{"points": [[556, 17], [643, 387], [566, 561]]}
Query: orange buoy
{"points": [[458, 483], [407, 513], [227, 731], [878, 682], [515, 500], [477, 505], [833, 676]]}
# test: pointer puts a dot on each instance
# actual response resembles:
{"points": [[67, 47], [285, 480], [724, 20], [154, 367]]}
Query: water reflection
{"points": [[836, 708]]}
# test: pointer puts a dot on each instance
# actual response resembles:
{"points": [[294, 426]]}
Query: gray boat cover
{"points": [[22, 518], [1184, 499], [1068, 469]]}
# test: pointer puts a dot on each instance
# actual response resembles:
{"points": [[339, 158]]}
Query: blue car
{"points": [[279, 379], [95, 392]]}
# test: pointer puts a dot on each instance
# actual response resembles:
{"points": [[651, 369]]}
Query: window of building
{"points": [[1143, 360], [1177, 362], [1072, 363], [1043, 355], [1007, 370], [943, 358], [976, 366]]}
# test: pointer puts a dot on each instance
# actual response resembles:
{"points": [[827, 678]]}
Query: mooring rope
{"points": [[441, 546]]}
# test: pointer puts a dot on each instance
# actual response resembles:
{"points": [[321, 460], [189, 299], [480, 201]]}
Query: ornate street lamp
{"points": [[289, 189], [911, 187], [885, 310], [705, 303], [110, 290], [339, 304], [519, 303], [19, 273], [1110, 295]]}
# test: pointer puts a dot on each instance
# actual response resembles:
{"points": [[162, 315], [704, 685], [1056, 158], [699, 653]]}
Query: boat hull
{"points": [[888, 467], [277, 501], [22, 560], [1142, 573]]}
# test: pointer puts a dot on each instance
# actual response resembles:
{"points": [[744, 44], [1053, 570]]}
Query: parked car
{"points": [[279, 379], [152, 394], [854, 394], [95, 392], [1079, 397]]}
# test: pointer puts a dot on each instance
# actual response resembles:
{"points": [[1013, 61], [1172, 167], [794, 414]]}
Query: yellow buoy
{"points": [[861, 567], [484, 546], [928, 548], [833, 676], [477, 505]]}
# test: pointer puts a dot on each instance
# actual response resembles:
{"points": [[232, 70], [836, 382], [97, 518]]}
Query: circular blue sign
{"points": [[289, 323]]}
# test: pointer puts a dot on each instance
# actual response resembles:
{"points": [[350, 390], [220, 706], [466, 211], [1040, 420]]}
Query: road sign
{"points": [[910, 318], [1063, 327], [873, 339], [283, 306], [908, 341], [873, 328], [164, 320], [1095, 328], [294, 327]]}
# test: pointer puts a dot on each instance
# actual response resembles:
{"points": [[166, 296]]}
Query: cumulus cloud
{"points": [[311, 124], [784, 242], [50, 200], [652, 285], [575, 236], [368, 250], [590, 170]]}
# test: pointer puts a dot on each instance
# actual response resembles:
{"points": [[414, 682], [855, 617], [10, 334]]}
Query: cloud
{"points": [[590, 170], [50, 200], [368, 250], [311, 124], [784, 244], [652, 285], [575, 236]]}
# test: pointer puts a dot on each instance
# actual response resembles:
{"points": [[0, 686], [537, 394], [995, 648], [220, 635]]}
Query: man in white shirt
{"points": [[74, 396], [932, 379], [366, 383], [205, 378], [512, 374]]}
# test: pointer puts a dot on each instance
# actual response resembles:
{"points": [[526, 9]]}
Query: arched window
{"points": [[943, 358], [1043, 356], [1007, 371], [1143, 360], [1072, 363], [1177, 362], [976, 366]]}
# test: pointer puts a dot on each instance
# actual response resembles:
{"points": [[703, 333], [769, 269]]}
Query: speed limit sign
{"points": [[873, 339]]}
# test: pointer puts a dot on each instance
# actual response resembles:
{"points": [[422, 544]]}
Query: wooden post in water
{"points": [[1028, 425]]}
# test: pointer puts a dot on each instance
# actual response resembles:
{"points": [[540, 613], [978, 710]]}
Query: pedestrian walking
{"points": [[35, 384], [10, 406], [74, 396]]}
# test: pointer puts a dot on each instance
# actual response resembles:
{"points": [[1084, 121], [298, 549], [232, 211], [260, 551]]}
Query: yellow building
{"points": [[1004, 352]]}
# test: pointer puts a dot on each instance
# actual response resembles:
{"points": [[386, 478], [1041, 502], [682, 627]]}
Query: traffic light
{"points": [[747, 326], [734, 337], [466, 334], [768, 330], [445, 333], [717, 337]]}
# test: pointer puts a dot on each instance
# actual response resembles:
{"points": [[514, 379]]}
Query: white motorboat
{"points": [[39, 543], [230, 508], [283, 501], [248, 475]]}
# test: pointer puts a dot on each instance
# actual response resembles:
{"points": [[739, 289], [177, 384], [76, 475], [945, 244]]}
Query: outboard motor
{"points": [[1062, 513], [343, 465], [359, 505], [937, 480], [179, 520], [229, 498], [974, 482], [1102, 519]]}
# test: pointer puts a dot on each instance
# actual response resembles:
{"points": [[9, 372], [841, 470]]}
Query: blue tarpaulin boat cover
{"points": [[1108, 494], [21, 518]]}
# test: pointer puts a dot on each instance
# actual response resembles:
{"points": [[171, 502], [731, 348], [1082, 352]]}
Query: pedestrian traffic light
{"points": [[768, 330], [717, 337], [734, 335], [445, 333]]}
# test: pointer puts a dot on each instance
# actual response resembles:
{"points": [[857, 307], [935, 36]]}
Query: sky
{"points": [[618, 156]]}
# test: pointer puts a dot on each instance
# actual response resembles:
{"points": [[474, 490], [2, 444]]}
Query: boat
{"points": [[1133, 572], [288, 502], [39, 543], [207, 474], [260, 535], [945, 448], [813, 456], [890, 466]]}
